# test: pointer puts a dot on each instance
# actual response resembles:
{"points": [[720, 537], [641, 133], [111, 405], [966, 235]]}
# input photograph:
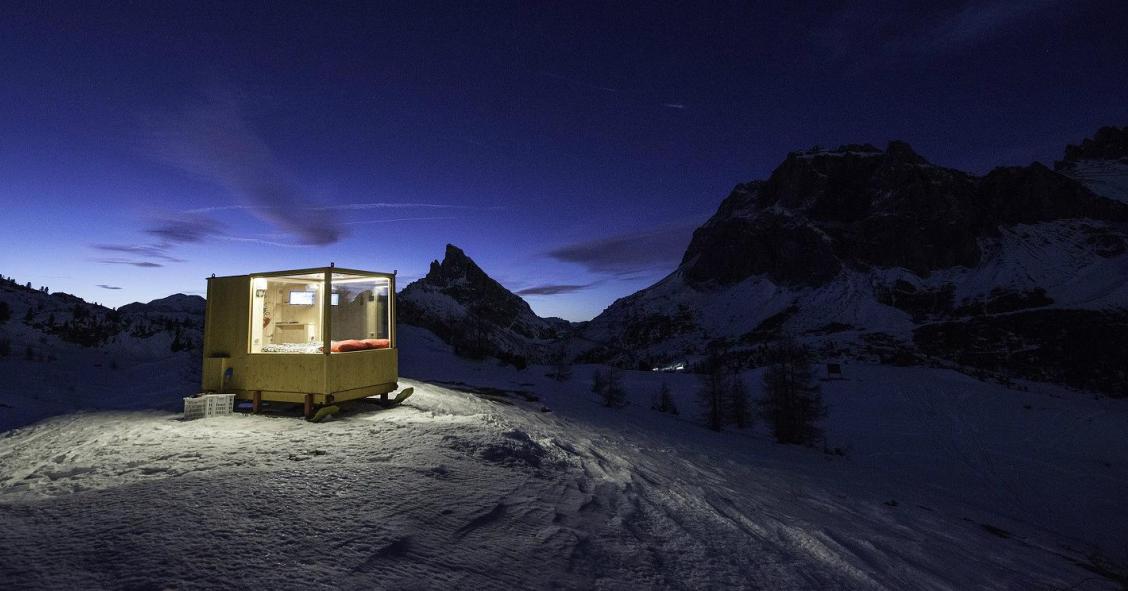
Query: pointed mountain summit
{"points": [[468, 309]]}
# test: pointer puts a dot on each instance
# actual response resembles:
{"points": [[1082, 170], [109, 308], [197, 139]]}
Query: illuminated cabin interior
{"points": [[265, 336]]}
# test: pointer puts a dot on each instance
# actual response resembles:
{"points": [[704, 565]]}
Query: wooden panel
{"points": [[225, 325], [280, 372], [227, 308], [358, 369], [212, 374]]}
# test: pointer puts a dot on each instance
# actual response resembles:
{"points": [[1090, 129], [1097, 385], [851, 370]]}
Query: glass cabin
{"points": [[265, 336]]}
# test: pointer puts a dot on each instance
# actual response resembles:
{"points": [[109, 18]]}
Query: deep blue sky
{"points": [[568, 148]]}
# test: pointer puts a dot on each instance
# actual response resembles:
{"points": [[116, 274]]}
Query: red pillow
{"points": [[349, 345], [377, 343]]}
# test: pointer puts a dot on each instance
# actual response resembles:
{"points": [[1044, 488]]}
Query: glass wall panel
{"points": [[360, 314], [286, 314]]}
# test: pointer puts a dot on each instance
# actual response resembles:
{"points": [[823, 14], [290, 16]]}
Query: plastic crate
{"points": [[208, 405]]}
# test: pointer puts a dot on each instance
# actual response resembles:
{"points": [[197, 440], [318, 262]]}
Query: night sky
{"points": [[569, 150]]}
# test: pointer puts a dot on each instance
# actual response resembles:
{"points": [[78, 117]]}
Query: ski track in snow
{"points": [[452, 490]]}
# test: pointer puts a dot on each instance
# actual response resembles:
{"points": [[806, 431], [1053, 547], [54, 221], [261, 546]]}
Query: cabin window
{"points": [[288, 313], [360, 309]]}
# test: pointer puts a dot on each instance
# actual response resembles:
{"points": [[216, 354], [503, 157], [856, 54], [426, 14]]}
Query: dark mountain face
{"points": [[859, 207], [880, 254], [465, 307], [1109, 143], [1031, 194], [460, 278]]}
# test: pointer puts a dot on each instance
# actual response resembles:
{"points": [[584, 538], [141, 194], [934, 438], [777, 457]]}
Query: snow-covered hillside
{"points": [[878, 254], [59, 354], [1100, 163], [947, 483]]}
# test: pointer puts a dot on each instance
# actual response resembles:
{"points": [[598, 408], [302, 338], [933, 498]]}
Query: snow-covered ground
{"points": [[947, 483], [1107, 178], [128, 373]]}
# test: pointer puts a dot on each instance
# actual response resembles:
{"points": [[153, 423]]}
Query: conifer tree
{"points": [[712, 393], [739, 408], [792, 403], [666, 400]]}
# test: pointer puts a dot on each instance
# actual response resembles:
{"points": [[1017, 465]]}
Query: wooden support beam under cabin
{"points": [[256, 402], [308, 406]]}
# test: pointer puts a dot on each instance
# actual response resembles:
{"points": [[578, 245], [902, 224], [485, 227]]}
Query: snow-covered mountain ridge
{"points": [[1100, 163], [59, 353], [458, 301], [869, 252]]}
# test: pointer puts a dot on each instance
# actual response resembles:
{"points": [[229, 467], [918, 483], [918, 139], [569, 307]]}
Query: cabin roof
{"points": [[330, 269]]}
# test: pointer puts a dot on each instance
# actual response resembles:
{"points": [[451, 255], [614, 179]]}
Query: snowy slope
{"points": [[454, 490], [123, 359], [1100, 163], [1107, 178], [1056, 257]]}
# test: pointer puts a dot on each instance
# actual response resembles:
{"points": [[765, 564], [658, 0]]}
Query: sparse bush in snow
{"points": [[712, 393], [738, 406], [5, 347], [792, 403], [609, 388], [598, 382], [665, 402], [561, 369]]}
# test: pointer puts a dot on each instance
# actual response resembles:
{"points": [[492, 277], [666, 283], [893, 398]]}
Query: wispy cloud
{"points": [[265, 242], [216, 141], [630, 254], [894, 31], [673, 105], [390, 220], [120, 261], [348, 207], [978, 21], [192, 228], [104, 286], [154, 251], [553, 289], [388, 205]]}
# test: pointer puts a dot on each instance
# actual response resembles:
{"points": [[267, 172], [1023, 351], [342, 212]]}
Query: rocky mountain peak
{"points": [[464, 306], [456, 268], [1109, 143], [860, 207], [900, 151]]}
